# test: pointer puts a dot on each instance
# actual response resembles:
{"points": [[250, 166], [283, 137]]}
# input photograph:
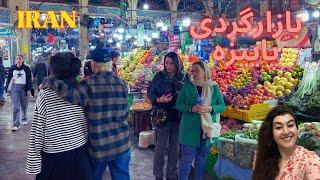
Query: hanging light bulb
{"points": [[303, 15], [186, 22], [159, 24], [145, 6], [164, 28], [316, 14]]}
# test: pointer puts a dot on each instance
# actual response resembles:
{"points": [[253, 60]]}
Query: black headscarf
{"points": [[180, 75]]}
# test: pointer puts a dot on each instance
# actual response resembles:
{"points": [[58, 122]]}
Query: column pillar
{"points": [[133, 12], [174, 9], [83, 31], [22, 35]]}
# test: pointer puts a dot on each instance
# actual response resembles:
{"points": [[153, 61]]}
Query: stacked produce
{"points": [[246, 144], [140, 106], [133, 70], [223, 77], [243, 78], [226, 145], [309, 136], [131, 67], [246, 96], [282, 84], [306, 98], [288, 57], [230, 124]]}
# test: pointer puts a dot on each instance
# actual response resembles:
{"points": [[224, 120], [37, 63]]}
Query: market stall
{"points": [[254, 75]]}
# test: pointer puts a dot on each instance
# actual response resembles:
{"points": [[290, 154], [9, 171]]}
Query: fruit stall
{"points": [[250, 89]]}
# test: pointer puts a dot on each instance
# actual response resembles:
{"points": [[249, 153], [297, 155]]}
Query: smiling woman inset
{"points": [[278, 156]]}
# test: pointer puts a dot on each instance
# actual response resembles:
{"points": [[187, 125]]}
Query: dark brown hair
{"points": [[65, 66], [200, 63], [268, 155]]}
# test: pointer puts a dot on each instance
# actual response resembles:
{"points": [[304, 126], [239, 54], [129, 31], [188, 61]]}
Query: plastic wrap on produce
{"points": [[244, 151], [226, 148]]}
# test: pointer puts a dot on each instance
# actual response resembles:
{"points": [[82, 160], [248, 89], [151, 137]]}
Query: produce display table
{"points": [[227, 168], [142, 121]]}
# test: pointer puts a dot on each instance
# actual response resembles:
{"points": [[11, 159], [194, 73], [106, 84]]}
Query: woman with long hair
{"points": [[201, 102], [59, 131], [278, 156], [163, 92]]}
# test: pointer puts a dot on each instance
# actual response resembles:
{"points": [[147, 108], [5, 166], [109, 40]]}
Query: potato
{"points": [[313, 131], [307, 126]]}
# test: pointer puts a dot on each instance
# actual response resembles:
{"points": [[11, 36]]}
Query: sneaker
{"points": [[25, 122], [15, 128]]}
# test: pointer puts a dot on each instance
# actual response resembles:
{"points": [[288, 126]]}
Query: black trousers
{"points": [[69, 165]]}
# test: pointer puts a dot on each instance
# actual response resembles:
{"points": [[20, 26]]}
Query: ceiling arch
{"points": [[191, 6], [154, 4]]}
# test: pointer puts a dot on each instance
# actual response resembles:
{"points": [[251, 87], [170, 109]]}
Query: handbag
{"points": [[159, 116]]}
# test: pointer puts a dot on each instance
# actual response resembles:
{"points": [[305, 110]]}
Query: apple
{"points": [[259, 86], [280, 88], [267, 84], [280, 73], [282, 83], [287, 75], [275, 79], [279, 93], [288, 85]]}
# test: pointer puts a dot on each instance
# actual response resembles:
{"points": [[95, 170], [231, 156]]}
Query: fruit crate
{"points": [[225, 112], [256, 112]]}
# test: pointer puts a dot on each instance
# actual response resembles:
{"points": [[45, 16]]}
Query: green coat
{"points": [[190, 126]]}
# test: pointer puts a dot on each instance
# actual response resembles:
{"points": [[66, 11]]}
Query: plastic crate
{"points": [[225, 112], [256, 112]]}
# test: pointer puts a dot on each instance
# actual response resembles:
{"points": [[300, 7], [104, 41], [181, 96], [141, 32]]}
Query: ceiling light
{"points": [[145, 6], [186, 22]]}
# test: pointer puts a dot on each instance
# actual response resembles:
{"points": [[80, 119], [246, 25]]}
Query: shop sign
{"points": [[31, 19], [6, 32], [245, 26]]}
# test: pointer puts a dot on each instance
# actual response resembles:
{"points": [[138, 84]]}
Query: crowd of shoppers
{"points": [[80, 127]]}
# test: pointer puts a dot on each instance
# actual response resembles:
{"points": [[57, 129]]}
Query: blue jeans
{"points": [[119, 168], [19, 101], [190, 153]]}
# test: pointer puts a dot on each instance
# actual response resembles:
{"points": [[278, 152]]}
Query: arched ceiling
{"points": [[191, 6], [184, 5], [154, 4]]}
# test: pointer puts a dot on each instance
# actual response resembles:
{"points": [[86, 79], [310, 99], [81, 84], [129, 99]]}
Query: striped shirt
{"points": [[107, 112], [57, 126]]}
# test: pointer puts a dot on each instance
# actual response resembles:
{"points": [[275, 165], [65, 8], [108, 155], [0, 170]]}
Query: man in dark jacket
{"points": [[40, 70], [19, 86], [2, 77]]}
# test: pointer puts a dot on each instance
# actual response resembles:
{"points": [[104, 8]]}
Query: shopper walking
{"points": [[59, 131], [2, 78], [20, 81], [201, 102], [163, 92], [278, 156], [107, 118], [40, 70]]}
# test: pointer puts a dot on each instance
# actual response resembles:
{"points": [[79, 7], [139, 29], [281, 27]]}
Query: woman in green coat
{"points": [[201, 102]]}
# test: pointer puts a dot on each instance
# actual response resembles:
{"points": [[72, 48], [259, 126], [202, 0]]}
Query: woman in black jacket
{"points": [[19, 80], [163, 92]]}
